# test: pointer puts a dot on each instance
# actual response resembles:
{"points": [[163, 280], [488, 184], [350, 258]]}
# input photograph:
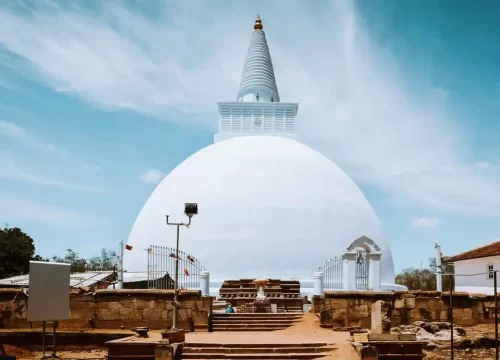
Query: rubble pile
{"points": [[438, 335]]}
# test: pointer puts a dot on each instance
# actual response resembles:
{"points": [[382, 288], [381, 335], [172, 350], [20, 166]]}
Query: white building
{"points": [[482, 261], [269, 206]]}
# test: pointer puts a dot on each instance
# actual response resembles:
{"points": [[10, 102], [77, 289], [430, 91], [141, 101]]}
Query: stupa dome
{"points": [[268, 207]]}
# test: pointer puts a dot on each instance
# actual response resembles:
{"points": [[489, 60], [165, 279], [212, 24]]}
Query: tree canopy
{"points": [[425, 279], [18, 248], [107, 261]]}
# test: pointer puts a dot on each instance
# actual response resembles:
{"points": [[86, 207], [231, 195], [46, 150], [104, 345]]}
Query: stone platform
{"points": [[254, 346], [254, 321]]}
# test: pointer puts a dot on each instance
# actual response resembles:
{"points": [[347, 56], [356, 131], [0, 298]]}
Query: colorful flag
{"points": [[190, 258], [128, 247], [186, 271], [150, 250], [172, 255]]}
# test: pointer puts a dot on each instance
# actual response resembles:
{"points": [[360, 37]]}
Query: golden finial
{"points": [[258, 24]]}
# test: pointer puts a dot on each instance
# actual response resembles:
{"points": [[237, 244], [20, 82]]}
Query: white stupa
{"points": [[269, 206]]}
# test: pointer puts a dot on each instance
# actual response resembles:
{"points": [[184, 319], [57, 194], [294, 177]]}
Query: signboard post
{"points": [[48, 297]]}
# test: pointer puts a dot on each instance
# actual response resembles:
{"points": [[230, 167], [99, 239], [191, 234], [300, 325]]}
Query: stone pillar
{"points": [[380, 318], [374, 271], [349, 270], [369, 353], [205, 283], [164, 352], [318, 283]]}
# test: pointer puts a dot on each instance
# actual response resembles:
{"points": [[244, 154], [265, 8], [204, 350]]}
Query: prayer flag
{"points": [[186, 271], [190, 258], [128, 247]]}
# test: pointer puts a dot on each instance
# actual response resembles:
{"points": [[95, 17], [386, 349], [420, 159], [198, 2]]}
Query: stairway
{"points": [[307, 351], [254, 321]]}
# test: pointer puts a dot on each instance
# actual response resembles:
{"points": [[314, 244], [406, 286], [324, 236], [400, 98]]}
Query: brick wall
{"points": [[345, 309], [114, 309]]}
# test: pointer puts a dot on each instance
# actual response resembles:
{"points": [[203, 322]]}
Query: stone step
{"points": [[262, 350], [266, 315], [256, 329], [251, 325], [253, 346], [131, 357], [254, 321], [252, 356]]}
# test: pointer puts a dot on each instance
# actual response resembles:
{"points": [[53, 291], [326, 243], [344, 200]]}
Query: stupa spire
{"points": [[258, 83]]}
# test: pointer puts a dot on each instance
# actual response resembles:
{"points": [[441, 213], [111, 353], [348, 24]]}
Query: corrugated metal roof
{"points": [[85, 279], [78, 279]]}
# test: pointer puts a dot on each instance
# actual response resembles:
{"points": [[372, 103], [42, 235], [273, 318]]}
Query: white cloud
{"points": [[11, 170], [425, 223], [16, 132], [152, 176], [355, 106]]}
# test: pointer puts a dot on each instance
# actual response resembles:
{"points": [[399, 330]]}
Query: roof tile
{"points": [[480, 252]]}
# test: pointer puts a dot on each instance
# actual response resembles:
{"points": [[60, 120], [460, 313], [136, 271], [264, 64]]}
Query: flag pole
{"points": [[120, 276]]}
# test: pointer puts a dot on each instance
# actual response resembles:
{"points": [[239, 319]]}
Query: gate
{"points": [[332, 274], [362, 271], [161, 269]]}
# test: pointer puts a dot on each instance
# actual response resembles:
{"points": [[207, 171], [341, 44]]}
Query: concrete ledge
{"points": [[124, 292], [357, 294]]}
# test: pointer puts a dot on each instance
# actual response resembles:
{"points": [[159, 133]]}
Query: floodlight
{"points": [[191, 209]]}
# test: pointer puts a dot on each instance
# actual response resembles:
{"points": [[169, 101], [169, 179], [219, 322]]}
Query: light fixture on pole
{"points": [[190, 209]]}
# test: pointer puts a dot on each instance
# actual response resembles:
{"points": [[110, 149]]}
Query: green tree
{"points": [[17, 249], [77, 264], [105, 262], [425, 279]]}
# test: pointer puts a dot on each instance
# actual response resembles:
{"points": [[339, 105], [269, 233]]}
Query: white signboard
{"points": [[48, 297]]}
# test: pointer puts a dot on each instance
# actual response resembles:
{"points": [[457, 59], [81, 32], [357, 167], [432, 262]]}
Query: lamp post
{"points": [[190, 209]]}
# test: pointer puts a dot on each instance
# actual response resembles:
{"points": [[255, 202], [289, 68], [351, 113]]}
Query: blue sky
{"points": [[98, 100]]}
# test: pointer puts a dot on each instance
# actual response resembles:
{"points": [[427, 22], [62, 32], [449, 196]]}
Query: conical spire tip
{"points": [[258, 24]]}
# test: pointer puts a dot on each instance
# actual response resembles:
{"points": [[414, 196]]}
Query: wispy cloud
{"points": [[425, 223], [355, 105], [91, 167], [11, 170], [14, 131], [152, 176], [18, 209]]}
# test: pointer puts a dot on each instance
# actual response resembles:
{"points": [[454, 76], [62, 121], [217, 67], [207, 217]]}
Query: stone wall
{"points": [[345, 309], [115, 309]]}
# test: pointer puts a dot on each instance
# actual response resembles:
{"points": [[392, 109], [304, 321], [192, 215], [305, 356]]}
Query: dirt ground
{"points": [[307, 330], [476, 354], [22, 354]]}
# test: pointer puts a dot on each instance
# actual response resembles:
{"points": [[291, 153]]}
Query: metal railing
{"points": [[161, 269]]}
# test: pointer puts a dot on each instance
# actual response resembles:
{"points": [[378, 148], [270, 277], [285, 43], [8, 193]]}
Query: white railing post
{"points": [[205, 283], [318, 283], [349, 270], [374, 271]]}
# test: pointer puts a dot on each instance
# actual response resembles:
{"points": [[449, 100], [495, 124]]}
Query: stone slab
{"points": [[383, 337], [174, 336]]}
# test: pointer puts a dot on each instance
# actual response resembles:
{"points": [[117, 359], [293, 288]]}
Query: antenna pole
{"points": [[120, 276], [439, 269], [496, 313]]}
